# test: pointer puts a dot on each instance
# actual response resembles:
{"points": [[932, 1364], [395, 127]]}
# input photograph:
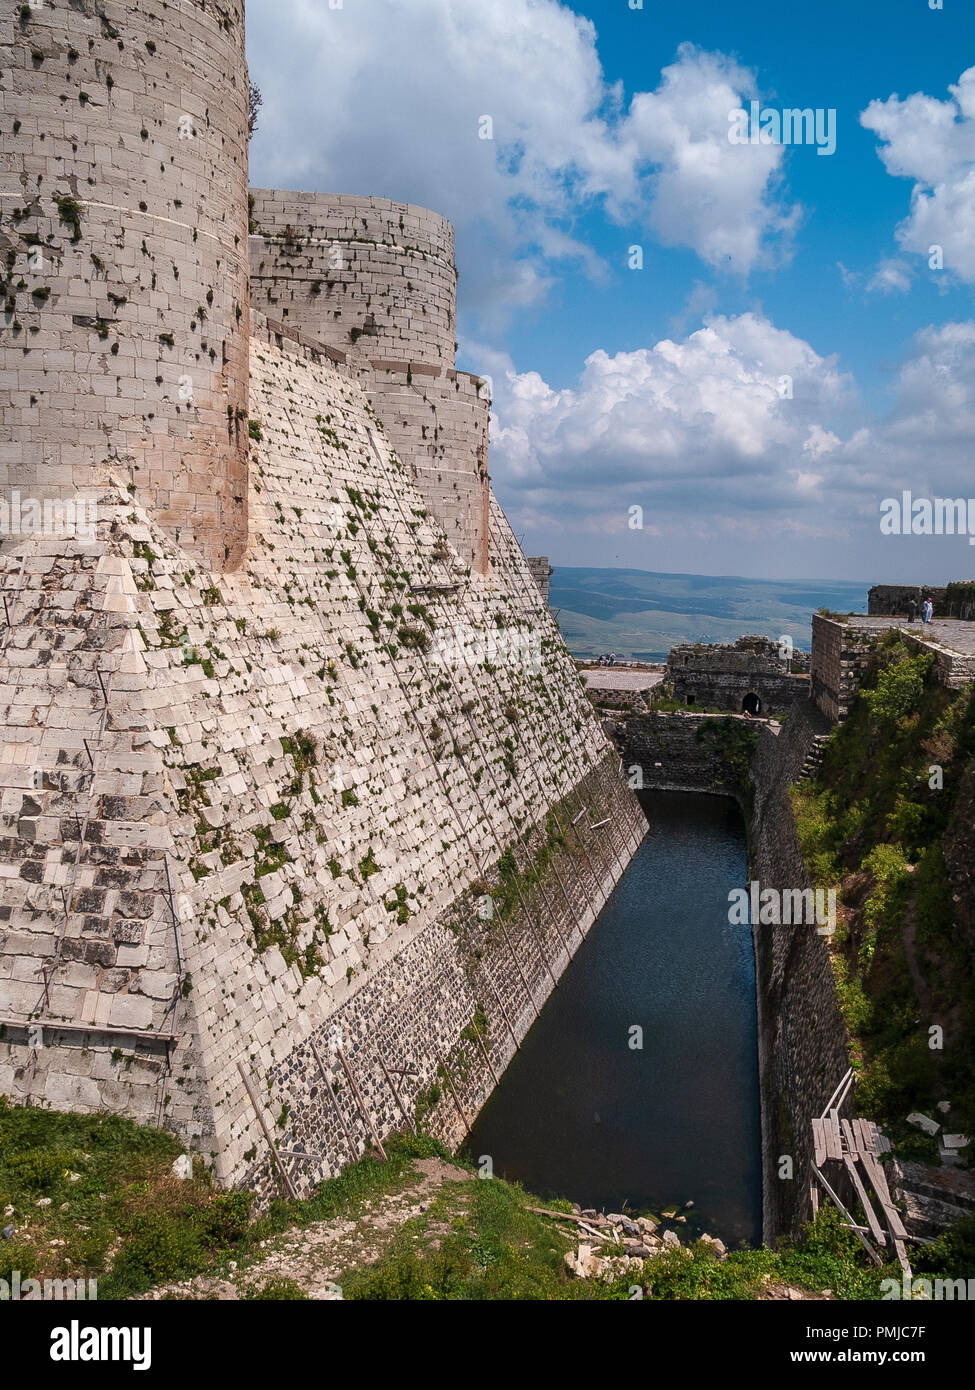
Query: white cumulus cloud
{"points": [[932, 142], [696, 432], [387, 98]]}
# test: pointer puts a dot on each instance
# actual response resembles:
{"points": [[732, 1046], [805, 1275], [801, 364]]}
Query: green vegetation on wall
{"points": [[874, 823]]}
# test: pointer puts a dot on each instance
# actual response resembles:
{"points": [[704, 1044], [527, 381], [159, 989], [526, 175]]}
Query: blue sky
{"points": [[662, 387]]}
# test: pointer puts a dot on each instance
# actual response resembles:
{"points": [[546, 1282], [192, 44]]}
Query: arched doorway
{"points": [[751, 704]]}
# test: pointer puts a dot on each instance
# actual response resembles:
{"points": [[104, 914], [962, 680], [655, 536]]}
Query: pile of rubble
{"points": [[615, 1245]]}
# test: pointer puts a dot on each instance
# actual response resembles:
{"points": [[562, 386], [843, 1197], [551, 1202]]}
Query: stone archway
{"points": [[751, 704]]}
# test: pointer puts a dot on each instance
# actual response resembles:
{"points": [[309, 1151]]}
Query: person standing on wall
{"points": [[928, 611], [911, 609]]}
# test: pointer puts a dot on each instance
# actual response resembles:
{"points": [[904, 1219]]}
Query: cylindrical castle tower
{"points": [[123, 242], [375, 279], [360, 274]]}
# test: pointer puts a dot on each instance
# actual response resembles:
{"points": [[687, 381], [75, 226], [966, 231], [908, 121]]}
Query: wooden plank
{"points": [[854, 1227], [258, 1111], [396, 1095], [608, 1237], [353, 1146], [819, 1140], [361, 1103], [834, 1149], [833, 1100], [878, 1179], [873, 1139], [881, 1143], [876, 1230], [878, 1144], [863, 1137], [849, 1136]]}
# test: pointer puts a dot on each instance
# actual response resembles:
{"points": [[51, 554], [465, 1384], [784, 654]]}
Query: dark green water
{"points": [[581, 1114]]}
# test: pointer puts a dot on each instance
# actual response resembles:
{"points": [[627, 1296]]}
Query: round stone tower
{"points": [[375, 280], [123, 256], [365, 275]]}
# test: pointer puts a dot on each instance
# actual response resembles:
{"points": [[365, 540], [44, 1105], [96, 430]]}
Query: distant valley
{"points": [[641, 614]]}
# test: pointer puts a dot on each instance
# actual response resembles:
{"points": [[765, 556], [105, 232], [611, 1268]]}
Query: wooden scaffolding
{"points": [[849, 1151]]}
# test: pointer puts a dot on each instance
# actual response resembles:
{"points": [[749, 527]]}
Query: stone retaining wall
{"points": [[674, 752], [803, 1049]]}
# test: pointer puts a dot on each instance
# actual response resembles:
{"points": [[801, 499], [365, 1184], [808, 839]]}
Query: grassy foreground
{"points": [[95, 1196]]}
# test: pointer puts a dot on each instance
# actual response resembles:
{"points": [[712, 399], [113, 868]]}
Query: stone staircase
{"points": [[814, 757]]}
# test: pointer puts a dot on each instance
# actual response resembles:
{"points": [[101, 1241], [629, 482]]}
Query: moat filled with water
{"points": [[582, 1114]]}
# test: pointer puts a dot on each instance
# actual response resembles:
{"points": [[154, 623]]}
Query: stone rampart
{"points": [[251, 821], [749, 674], [375, 280]]}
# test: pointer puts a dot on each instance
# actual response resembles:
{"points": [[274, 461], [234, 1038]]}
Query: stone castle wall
{"points": [[357, 273], [675, 752], [891, 600], [123, 340], [248, 813], [802, 1041], [303, 809], [438, 426], [840, 653]]}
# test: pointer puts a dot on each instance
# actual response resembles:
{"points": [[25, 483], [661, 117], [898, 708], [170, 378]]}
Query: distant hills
{"points": [[642, 614]]}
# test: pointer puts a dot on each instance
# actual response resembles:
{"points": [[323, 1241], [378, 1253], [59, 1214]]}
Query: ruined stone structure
{"points": [[891, 600], [300, 822], [956, 600], [748, 675], [541, 572], [677, 752], [841, 649]]}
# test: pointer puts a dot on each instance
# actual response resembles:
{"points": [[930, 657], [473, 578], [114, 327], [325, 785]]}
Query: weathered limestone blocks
{"points": [[675, 752], [748, 674], [123, 341], [541, 572], [803, 1045], [842, 648], [438, 426], [840, 652], [375, 281], [356, 273], [891, 600], [271, 797]]}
